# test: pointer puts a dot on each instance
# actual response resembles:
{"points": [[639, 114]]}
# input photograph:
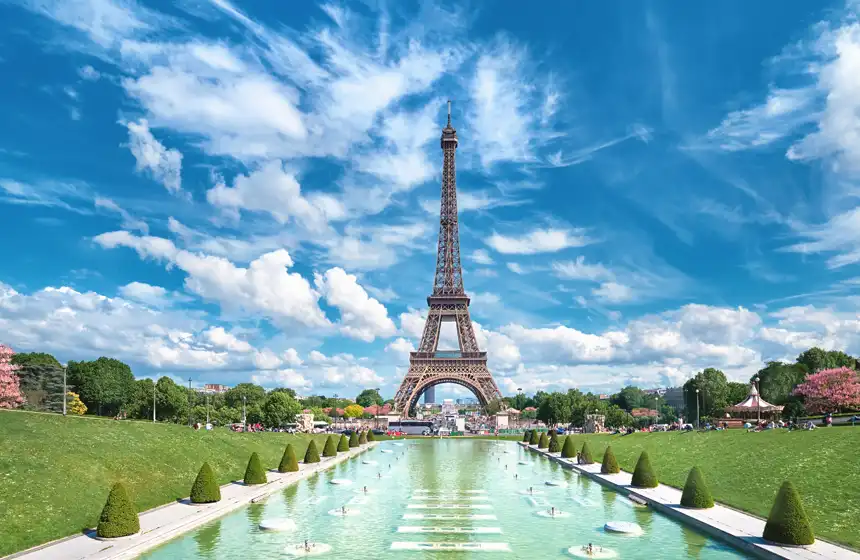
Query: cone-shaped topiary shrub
{"points": [[119, 516], [362, 439], [370, 436], [254, 473], [205, 489], [535, 438], [696, 492], [787, 522], [527, 435], [543, 443], [312, 455], [609, 465], [587, 459], [554, 446], [289, 463], [343, 444], [353, 439], [330, 449], [643, 474], [568, 450]]}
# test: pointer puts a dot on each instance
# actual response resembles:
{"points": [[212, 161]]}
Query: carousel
{"points": [[754, 407]]}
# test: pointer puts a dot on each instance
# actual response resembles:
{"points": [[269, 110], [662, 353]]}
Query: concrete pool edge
{"points": [[739, 529], [166, 522]]}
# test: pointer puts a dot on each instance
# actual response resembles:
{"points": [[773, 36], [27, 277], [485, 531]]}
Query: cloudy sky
{"points": [[233, 192]]}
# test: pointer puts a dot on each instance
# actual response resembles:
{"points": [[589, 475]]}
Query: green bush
{"points": [[370, 436], [535, 438], [119, 516], [353, 439], [587, 459], [312, 455], [205, 489], [609, 465], [543, 443], [568, 450], [362, 439], [643, 475], [254, 473], [527, 436], [554, 446], [330, 449], [696, 492], [787, 522], [289, 463], [343, 444]]}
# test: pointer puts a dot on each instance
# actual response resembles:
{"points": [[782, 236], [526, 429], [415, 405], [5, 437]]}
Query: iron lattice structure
{"points": [[428, 366]]}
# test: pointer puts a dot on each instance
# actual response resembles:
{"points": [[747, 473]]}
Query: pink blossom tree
{"points": [[830, 390], [10, 389]]}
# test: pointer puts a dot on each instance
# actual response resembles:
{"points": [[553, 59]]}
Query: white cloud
{"points": [[89, 73], [361, 316], [401, 347], [515, 268], [128, 221], [481, 256], [165, 166], [282, 378], [613, 292], [580, 270], [220, 338], [538, 241], [154, 296]]}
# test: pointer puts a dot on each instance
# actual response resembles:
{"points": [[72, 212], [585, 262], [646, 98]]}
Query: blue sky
{"points": [[235, 192]]}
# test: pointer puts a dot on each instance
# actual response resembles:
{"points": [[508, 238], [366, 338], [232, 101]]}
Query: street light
{"points": [[697, 409], [65, 390], [153, 401], [656, 410], [758, 401]]}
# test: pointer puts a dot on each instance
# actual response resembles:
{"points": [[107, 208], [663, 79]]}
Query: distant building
{"points": [[430, 396], [467, 401], [215, 388], [659, 392], [675, 398], [604, 397]]}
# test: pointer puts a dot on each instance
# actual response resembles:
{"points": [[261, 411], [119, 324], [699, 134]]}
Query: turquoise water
{"points": [[473, 476]]}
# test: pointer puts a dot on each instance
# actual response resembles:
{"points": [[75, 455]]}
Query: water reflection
{"points": [[694, 541], [207, 539], [255, 513]]}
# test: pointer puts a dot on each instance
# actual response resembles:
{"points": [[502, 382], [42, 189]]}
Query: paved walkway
{"points": [[729, 525], [167, 522]]}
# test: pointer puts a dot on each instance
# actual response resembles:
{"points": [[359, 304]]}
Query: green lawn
{"points": [[55, 472], [744, 470]]}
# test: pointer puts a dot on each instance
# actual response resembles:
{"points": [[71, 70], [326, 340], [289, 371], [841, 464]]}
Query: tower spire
{"points": [[449, 275], [449, 113]]}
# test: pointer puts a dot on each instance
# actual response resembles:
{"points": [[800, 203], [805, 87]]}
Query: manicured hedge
{"points": [[370, 436], [787, 522], [353, 439], [330, 449], [643, 475], [527, 436], [554, 446], [535, 438], [205, 489], [362, 439], [254, 472], [568, 450], [312, 455], [543, 443], [696, 492], [289, 463], [343, 444], [585, 454], [610, 464], [119, 516]]}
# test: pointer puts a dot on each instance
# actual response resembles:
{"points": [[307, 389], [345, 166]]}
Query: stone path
{"points": [[729, 525], [167, 522]]}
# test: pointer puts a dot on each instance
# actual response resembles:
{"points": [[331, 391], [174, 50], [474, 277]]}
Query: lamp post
{"points": [[65, 390], [656, 410], [697, 409], [207, 408], [758, 401], [153, 401]]}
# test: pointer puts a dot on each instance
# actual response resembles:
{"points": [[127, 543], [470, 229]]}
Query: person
{"points": [[307, 546], [590, 549], [343, 510], [552, 511], [379, 475], [365, 489]]}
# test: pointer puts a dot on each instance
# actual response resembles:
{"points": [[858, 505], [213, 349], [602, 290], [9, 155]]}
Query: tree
{"points": [[713, 393], [568, 450], [343, 444], [554, 409], [787, 522], [41, 380], [75, 405], [816, 359], [643, 474], [330, 449], [119, 516], [205, 489], [777, 381], [312, 455], [493, 407], [369, 397], [696, 493], [610, 464], [353, 411], [105, 385], [736, 392], [288, 460], [10, 389], [254, 395], [280, 408], [616, 417], [830, 390], [629, 398], [254, 472], [171, 401], [285, 390]]}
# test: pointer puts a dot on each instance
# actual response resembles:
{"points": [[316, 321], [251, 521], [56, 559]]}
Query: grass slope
{"points": [[57, 473], [745, 470]]}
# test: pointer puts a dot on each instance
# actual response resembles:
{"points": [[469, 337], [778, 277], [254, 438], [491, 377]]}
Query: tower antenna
{"points": [[449, 113]]}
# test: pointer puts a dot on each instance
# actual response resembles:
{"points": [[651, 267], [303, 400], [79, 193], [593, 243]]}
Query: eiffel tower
{"points": [[428, 366]]}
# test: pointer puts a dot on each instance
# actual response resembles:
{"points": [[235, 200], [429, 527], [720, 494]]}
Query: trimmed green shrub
{"points": [[535, 438], [587, 459], [568, 450], [643, 474], [353, 439], [289, 463], [119, 516], [312, 455], [330, 449], [554, 446], [610, 464], [787, 522], [696, 492], [343, 444], [254, 472], [205, 489], [527, 436], [362, 439], [543, 442], [370, 436]]}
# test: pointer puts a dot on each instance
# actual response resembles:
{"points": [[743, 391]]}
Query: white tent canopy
{"points": [[754, 403]]}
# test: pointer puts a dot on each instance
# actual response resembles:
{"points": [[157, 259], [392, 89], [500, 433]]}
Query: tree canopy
{"points": [[369, 397]]}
